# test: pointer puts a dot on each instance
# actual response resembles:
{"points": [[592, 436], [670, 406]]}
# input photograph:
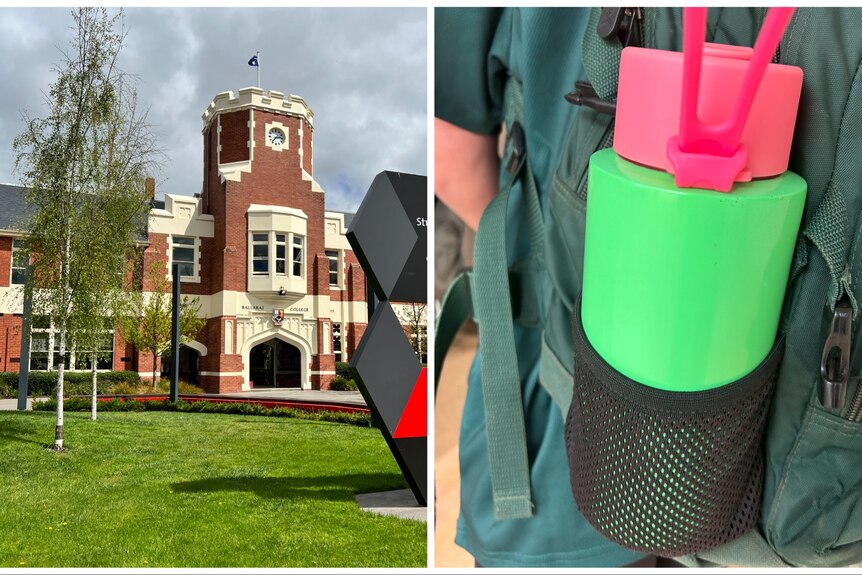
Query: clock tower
{"points": [[282, 290], [258, 155]]}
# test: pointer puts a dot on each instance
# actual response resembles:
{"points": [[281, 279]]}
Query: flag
{"points": [[253, 61]]}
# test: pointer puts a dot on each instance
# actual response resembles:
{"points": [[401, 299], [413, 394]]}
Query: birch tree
{"points": [[84, 165], [413, 318]]}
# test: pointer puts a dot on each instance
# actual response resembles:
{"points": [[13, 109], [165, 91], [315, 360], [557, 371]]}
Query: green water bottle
{"points": [[692, 217]]}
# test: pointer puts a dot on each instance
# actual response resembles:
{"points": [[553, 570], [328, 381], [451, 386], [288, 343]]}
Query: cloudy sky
{"points": [[362, 71]]}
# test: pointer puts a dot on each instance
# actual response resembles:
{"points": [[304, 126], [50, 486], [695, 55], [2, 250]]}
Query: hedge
{"points": [[118, 404], [339, 383], [343, 369], [75, 382]]}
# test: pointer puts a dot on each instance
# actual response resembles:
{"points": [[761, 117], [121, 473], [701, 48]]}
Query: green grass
{"points": [[168, 489]]}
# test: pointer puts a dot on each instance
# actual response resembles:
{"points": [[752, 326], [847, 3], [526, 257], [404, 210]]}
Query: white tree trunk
{"points": [[58, 433], [95, 392]]}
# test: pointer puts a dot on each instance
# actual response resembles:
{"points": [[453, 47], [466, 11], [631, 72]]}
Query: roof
{"points": [[14, 212], [348, 217], [13, 208]]}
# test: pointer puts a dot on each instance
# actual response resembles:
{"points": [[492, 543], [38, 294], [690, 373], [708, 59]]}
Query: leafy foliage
{"points": [[343, 369], [184, 387], [146, 321], [42, 383], [339, 383], [122, 389], [413, 317]]}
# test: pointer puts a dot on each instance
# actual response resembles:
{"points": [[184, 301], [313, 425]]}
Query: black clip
{"points": [[585, 95], [835, 362], [519, 147], [622, 23]]}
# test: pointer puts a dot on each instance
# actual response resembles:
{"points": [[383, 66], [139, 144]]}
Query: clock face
{"points": [[276, 137]]}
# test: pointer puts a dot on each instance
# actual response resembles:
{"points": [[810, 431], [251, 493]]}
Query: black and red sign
{"points": [[388, 235]]}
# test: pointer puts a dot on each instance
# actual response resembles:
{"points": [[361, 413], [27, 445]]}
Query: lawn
{"points": [[167, 489]]}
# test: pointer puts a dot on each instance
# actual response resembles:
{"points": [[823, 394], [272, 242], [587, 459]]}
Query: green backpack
{"points": [[810, 510]]}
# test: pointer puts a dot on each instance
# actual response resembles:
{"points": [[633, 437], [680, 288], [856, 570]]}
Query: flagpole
{"points": [[258, 68]]}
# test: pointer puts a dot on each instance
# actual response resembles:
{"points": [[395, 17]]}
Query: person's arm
{"points": [[466, 170]]}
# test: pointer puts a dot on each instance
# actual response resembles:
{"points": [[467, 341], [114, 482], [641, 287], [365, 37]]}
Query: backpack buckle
{"points": [[518, 142], [620, 23], [835, 362]]}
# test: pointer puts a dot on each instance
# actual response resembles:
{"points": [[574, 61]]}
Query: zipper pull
{"points": [[835, 362], [585, 95]]}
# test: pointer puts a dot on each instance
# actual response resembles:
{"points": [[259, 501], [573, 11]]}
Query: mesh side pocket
{"points": [[668, 473]]}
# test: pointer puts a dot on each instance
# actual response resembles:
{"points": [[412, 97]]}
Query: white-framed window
{"points": [[45, 350], [269, 254], [280, 254], [260, 254], [185, 252], [104, 357], [19, 262], [298, 258], [334, 265]]}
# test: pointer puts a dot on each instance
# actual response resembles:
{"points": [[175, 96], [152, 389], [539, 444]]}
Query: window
{"points": [[19, 262], [336, 341], [280, 254], [260, 254], [45, 338], [39, 351], [104, 355], [297, 256], [276, 261], [334, 258], [183, 253]]}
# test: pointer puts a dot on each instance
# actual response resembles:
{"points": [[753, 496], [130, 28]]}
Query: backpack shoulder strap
{"points": [[491, 304]]}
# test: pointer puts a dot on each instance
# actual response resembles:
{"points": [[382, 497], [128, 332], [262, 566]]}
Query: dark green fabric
{"points": [[810, 451], [462, 95]]}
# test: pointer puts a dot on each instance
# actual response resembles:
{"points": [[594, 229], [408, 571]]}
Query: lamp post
{"points": [[24, 361], [175, 334]]}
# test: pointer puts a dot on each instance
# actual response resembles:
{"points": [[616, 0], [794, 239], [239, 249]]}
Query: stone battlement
{"points": [[256, 98]]}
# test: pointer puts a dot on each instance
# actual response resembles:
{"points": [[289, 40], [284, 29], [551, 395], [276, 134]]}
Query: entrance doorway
{"points": [[273, 364], [189, 359]]}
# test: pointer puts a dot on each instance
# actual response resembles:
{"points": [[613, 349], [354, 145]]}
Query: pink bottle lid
{"points": [[713, 114]]}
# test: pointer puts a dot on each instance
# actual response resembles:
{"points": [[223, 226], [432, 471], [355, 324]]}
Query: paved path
{"points": [[400, 503], [12, 404], [310, 395]]}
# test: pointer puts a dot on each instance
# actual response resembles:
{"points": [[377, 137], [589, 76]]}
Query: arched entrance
{"points": [[275, 363], [189, 361]]}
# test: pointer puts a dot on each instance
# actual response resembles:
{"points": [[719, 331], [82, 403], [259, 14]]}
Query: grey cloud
{"points": [[363, 71]]}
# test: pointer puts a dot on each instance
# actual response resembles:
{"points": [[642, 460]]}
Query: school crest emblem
{"points": [[277, 316]]}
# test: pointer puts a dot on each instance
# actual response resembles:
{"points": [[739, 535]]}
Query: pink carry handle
{"points": [[710, 155]]}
